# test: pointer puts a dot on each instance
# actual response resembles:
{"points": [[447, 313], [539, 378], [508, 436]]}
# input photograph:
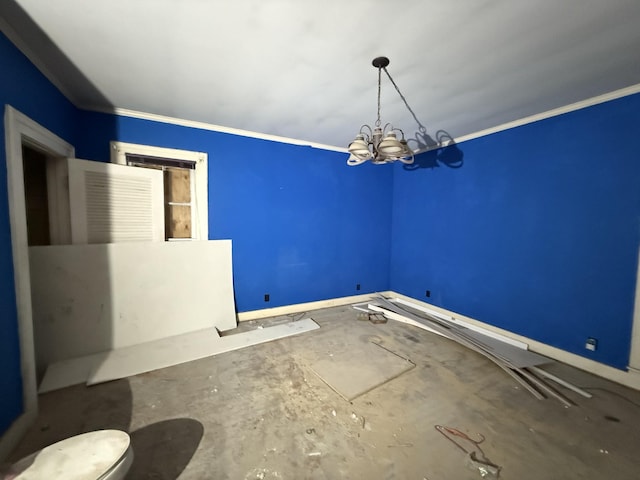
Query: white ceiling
{"points": [[302, 69]]}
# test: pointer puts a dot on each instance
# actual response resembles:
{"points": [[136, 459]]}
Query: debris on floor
{"points": [[481, 463], [373, 317], [511, 356], [271, 410]]}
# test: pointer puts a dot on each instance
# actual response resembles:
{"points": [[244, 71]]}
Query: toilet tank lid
{"points": [[83, 457]]}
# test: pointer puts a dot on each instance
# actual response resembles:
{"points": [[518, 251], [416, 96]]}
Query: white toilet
{"points": [[99, 455]]}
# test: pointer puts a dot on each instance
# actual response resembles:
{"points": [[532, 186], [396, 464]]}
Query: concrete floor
{"points": [[262, 413]]}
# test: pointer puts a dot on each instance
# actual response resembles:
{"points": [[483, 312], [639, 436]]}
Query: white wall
{"points": [[93, 298]]}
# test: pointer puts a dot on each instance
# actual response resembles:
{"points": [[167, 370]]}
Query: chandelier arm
{"points": [[388, 127], [363, 130], [399, 130], [354, 160]]}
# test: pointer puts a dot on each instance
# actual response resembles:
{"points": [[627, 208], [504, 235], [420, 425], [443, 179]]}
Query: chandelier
{"points": [[380, 144]]}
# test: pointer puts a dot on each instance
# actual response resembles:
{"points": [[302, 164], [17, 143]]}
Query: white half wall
{"points": [[93, 298]]}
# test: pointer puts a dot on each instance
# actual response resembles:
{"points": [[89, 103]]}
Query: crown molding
{"points": [[217, 128], [18, 41], [589, 102]]}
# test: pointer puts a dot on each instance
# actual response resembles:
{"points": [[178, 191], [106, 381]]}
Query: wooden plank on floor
{"points": [[166, 352]]}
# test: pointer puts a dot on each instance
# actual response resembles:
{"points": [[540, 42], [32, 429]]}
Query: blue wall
{"points": [[536, 233], [304, 225], [23, 87]]}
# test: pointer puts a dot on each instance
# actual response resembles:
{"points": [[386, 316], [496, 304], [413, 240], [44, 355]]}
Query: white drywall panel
{"points": [[74, 371], [166, 352], [125, 362], [93, 298]]}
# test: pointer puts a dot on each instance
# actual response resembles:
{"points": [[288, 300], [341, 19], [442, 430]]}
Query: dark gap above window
{"points": [[165, 162]]}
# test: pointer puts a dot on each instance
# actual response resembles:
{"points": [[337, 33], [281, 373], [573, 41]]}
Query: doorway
{"points": [[34, 166], [21, 130], [36, 193]]}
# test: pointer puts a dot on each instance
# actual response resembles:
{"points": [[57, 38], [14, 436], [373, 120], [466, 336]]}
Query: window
{"points": [[185, 185]]}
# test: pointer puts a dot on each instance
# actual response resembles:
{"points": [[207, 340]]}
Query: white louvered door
{"points": [[115, 203]]}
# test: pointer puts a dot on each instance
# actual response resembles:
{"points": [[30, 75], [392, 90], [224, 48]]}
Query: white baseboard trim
{"points": [[629, 378], [15, 434], [305, 307]]}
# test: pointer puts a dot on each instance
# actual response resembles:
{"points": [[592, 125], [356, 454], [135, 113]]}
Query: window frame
{"points": [[200, 177]]}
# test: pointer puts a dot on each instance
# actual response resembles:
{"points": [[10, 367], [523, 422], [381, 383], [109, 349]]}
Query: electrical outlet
{"points": [[592, 344], [358, 286], [266, 297]]}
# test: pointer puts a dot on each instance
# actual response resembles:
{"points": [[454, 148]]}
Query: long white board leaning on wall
{"points": [[95, 298]]}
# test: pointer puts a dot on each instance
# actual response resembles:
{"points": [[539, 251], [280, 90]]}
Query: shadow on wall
{"points": [[441, 151], [21, 25], [41, 128], [445, 151]]}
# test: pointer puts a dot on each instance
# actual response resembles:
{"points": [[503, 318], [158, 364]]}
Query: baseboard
{"points": [[14, 435], [629, 378], [305, 307]]}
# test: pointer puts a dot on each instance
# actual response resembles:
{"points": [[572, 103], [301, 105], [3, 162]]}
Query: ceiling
{"points": [[302, 70]]}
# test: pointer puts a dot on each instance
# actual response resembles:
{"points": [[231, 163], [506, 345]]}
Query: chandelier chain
{"points": [[379, 79], [401, 96]]}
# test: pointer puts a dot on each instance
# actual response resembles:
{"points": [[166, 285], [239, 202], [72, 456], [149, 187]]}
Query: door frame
{"points": [[19, 130], [634, 353]]}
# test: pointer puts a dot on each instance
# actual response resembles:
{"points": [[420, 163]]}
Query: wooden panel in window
{"points": [[177, 185], [177, 221]]}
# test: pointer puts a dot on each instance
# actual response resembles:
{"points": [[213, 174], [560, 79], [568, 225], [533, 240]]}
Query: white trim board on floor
{"points": [[514, 356], [166, 352], [470, 326], [370, 306], [630, 379]]}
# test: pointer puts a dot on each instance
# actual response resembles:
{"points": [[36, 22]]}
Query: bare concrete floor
{"points": [[262, 413]]}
